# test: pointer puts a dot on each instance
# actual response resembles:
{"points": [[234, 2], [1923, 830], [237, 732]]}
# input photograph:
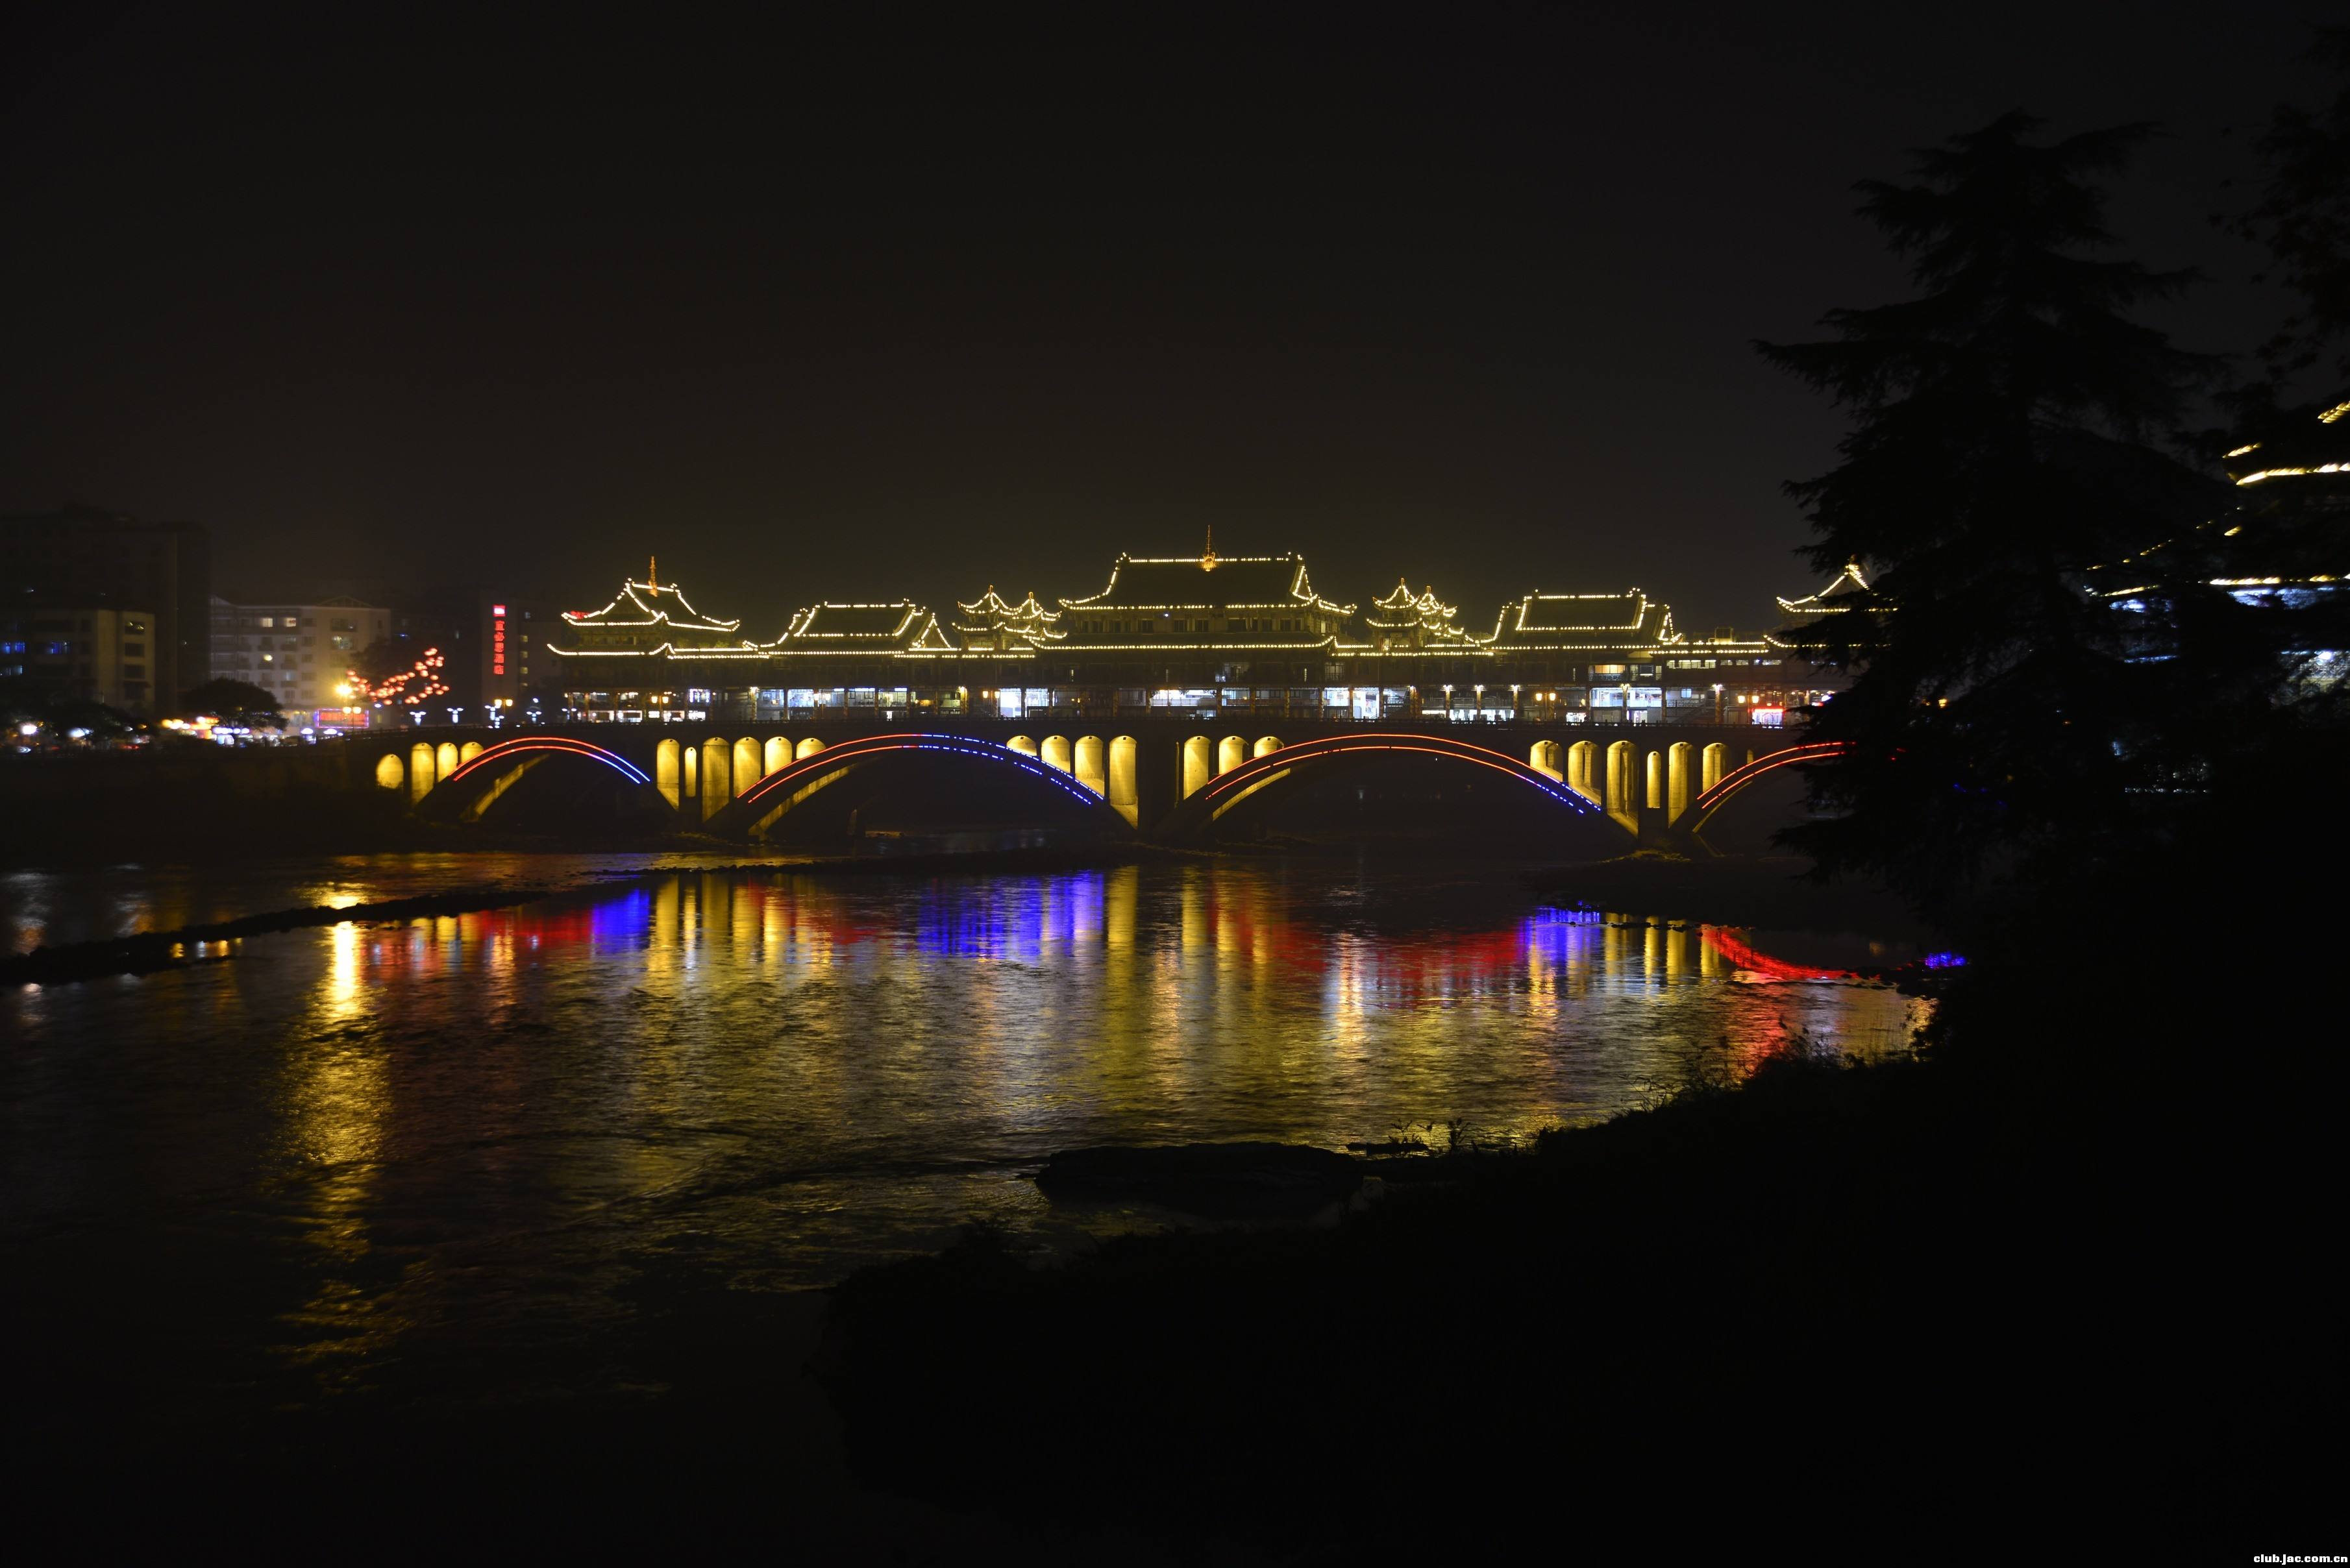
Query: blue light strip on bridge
{"points": [[958, 745], [552, 743], [1457, 750]]}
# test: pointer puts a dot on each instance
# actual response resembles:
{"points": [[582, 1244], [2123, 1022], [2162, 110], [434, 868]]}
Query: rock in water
{"points": [[1214, 1180]]}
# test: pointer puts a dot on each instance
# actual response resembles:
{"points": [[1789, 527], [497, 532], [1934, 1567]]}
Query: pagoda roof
{"points": [[1404, 607], [1846, 582], [992, 613], [900, 625], [650, 605], [1404, 610], [1207, 582], [1582, 620], [992, 603]]}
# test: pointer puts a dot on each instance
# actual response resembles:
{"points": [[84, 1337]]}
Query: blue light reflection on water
{"points": [[482, 1117], [1040, 913], [625, 919]]}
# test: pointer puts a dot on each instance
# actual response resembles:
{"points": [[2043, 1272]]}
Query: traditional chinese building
{"points": [[1182, 634], [651, 618]]}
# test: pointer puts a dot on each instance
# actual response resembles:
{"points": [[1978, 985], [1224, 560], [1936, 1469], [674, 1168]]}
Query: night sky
{"points": [[1467, 300]]}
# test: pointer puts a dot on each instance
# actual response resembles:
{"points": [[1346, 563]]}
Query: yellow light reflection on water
{"points": [[871, 1017], [339, 1097]]}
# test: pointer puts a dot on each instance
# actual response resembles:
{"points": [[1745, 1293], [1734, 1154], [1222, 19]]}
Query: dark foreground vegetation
{"points": [[2066, 1273]]}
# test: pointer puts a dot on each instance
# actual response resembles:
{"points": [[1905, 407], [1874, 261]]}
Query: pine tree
{"points": [[2003, 447], [2255, 610], [2302, 218]]}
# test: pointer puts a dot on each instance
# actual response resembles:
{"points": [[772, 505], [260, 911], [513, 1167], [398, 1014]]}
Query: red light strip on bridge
{"points": [[1730, 783], [617, 763]]}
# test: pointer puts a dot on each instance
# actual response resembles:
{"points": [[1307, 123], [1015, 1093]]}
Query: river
{"points": [[355, 1142]]}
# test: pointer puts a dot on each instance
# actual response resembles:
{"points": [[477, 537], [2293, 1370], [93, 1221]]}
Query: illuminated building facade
{"points": [[512, 667], [301, 654], [1179, 637], [84, 560], [100, 653]]}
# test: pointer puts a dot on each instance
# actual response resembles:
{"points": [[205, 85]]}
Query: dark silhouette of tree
{"points": [[388, 656], [235, 699], [2003, 447], [2303, 217], [2246, 609]]}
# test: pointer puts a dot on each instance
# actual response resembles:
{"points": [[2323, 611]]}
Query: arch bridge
{"points": [[1178, 777]]}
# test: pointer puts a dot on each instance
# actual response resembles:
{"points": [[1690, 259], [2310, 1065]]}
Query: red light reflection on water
{"points": [[1744, 956], [1020, 922]]}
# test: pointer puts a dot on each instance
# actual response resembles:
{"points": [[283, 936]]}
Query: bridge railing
{"points": [[1437, 721]]}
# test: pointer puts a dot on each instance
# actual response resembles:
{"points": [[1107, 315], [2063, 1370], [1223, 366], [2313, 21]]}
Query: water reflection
{"points": [[469, 1124], [336, 1097], [1235, 1002]]}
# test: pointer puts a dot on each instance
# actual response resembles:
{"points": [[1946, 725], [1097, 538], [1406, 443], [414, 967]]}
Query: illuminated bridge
{"points": [[1186, 699], [1178, 781]]}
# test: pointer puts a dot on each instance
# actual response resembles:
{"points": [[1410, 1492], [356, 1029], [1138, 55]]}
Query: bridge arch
{"points": [[750, 761], [808, 747], [1231, 752], [1265, 745], [474, 784], [1198, 811], [389, 772], [758, 808], [1056, 752], [1725, 789]]}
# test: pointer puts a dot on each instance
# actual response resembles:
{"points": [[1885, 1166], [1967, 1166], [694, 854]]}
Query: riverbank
{"points": [[148, 951], [1836, 1303]]}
